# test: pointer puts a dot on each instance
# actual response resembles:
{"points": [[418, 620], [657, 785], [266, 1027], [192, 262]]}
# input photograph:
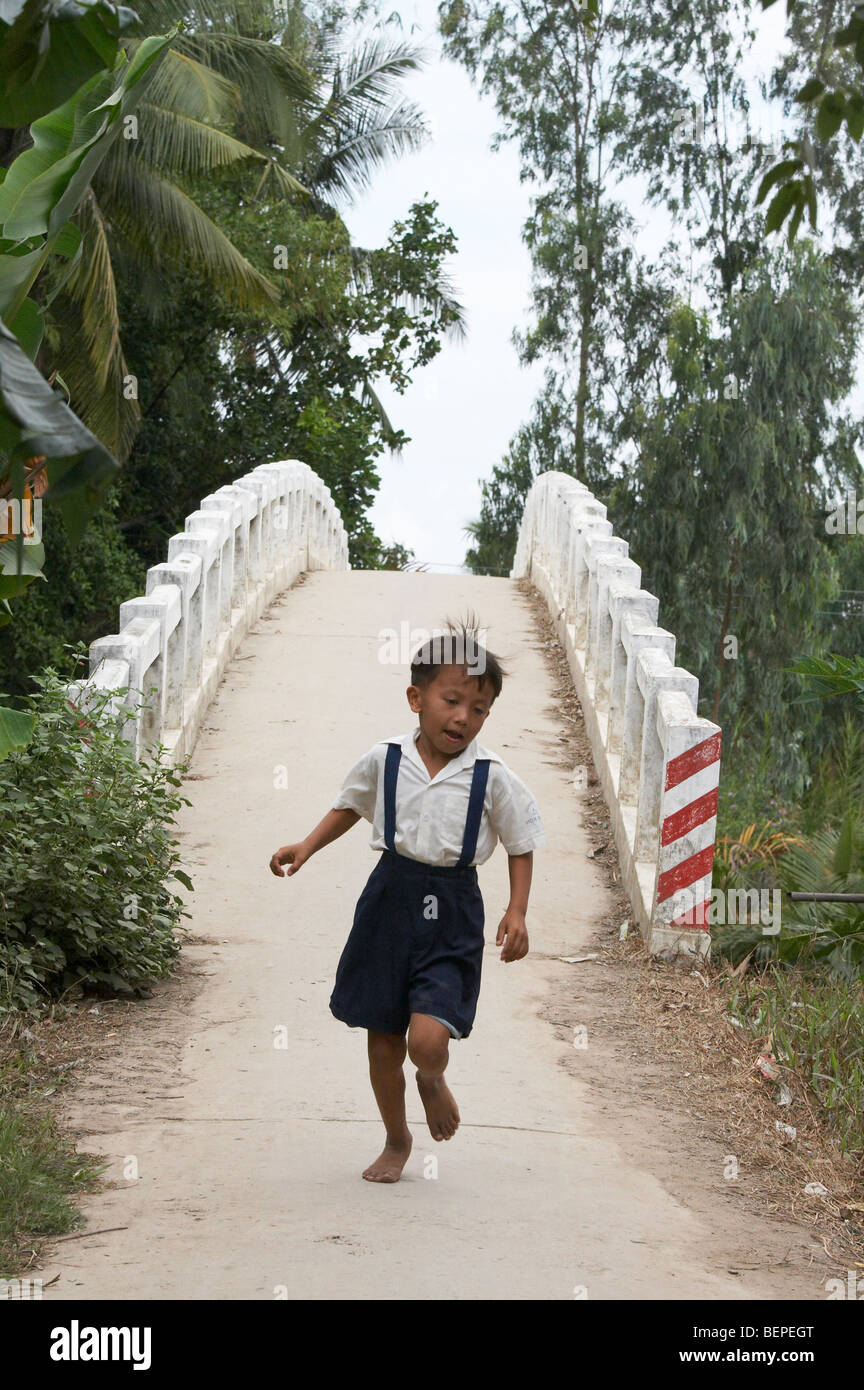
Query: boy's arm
{"points": [[512, 925], [520, 868], [334, 824]]}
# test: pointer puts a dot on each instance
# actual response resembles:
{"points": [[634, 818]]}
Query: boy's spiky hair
{"points": [[458, 645]]}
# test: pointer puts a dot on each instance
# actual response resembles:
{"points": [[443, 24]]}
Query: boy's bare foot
{"points": [[390, 1162], [442, 1112]]}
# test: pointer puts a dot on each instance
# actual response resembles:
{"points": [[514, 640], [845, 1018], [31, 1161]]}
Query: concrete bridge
{"points": [[658, 762], [236, 1114]]}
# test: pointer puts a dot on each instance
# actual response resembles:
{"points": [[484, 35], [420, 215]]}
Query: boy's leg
{"points": [[428, 1048], [386, 1057]]}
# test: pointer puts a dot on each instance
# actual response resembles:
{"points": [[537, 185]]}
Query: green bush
{"points": [[813, 1023], [813, 935], [88, 583], [87, 856]]}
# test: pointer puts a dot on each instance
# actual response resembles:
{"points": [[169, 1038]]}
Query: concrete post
{"points": [[688, 825], [655, 672]]}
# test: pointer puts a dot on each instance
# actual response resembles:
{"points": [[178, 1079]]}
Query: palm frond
{"points": [[369, 396], [285, 181], [95, 371], [176, 143], [372, 72], [167, 226], [362, 103], [276, 94], [180, 83], [360, 148]]}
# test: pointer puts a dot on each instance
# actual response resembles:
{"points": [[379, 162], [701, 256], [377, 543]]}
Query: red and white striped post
{"points": [[688, 825]]}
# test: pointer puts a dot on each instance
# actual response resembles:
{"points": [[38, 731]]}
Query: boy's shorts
{"points": [[416, 946]]}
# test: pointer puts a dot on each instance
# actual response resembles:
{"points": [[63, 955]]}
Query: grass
{"points": [[40, 1172], [813, 1023]]}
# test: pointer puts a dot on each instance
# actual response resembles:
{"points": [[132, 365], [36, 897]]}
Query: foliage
{"points": [[740, 860], [813, 1024], [840, 783], [555, 73], [39, 1170], [47, 50], [222, 389], [726, 499], [833, 675], [496, 531], [254, 88], [277, 363], [834, 95], [87, 855], [38, 195], [88, 584], [715, 424], [41, 440], [820, 933]]}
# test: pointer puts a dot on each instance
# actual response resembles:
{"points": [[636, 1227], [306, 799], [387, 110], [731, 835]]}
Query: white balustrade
{"points": [[246, 543], [657, 760]]}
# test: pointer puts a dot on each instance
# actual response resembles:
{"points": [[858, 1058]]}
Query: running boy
{"points": [[438, 802]]}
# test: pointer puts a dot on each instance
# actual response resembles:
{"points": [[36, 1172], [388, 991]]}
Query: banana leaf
{"points": [[49, 47]]}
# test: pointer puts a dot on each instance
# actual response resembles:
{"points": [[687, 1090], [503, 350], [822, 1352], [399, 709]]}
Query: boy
{"points": [[438, 803]]}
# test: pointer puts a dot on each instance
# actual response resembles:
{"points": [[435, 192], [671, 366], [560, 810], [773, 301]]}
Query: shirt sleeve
{"points": [[359, 790], [514, 814]]}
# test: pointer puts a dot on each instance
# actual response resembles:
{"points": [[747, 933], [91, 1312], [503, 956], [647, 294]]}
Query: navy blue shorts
{"points": [[416, 946]]}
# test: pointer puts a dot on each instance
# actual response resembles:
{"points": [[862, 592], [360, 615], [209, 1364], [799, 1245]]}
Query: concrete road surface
{"points": [[235, 1163]]}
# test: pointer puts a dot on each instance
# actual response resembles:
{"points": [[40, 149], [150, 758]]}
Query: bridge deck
{"points": [[249, 1157]]}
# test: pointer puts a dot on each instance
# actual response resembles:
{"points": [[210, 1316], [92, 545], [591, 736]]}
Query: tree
{"points": [[41, 440], [718, 431], [253, 86], [833, 97], [836, 162], [496, 531], [725, 507], [555, 74], [221, 390]]}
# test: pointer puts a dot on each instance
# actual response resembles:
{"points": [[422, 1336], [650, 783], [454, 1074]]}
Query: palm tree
{"points": [[247, 83]]}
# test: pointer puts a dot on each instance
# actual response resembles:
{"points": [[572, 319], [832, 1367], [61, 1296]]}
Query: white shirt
{"points": [[431, 811]]}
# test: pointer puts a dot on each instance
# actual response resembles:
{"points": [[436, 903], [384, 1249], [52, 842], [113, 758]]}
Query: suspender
{"points": [[475, 811], [475, 804], [391, 772]]}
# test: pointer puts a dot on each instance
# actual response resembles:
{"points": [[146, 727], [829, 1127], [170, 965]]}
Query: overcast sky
{"points": [[462, 410]]}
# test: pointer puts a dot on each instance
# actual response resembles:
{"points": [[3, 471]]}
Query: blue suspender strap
{"points": [[475, 811], [391, 772]]}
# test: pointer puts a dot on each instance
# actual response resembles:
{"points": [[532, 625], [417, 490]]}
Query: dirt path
{"points": [[235, 1164]]}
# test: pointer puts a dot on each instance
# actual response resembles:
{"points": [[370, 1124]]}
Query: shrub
{"points": [[87, 855], [822, 934], [813, 1024]]}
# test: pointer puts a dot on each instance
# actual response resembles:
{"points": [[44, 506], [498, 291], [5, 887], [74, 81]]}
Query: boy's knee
{"points": [[427, 1049]]}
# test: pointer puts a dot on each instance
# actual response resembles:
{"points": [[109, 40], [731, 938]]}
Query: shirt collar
{"points": [[466, 758]]}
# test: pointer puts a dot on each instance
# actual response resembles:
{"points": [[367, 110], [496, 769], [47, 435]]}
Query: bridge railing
{"points": [[246, 543], [658, 762]]}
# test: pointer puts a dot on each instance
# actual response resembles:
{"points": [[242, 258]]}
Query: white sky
{"points": [[462, 410]]}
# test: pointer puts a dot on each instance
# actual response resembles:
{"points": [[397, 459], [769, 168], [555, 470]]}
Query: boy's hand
{"points": [[293, 855], [512, 926]]}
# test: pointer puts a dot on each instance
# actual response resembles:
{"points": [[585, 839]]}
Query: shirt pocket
{"points": [[453, 815]]}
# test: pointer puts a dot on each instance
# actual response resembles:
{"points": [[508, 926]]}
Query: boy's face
{"points": [[452, 708]]}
